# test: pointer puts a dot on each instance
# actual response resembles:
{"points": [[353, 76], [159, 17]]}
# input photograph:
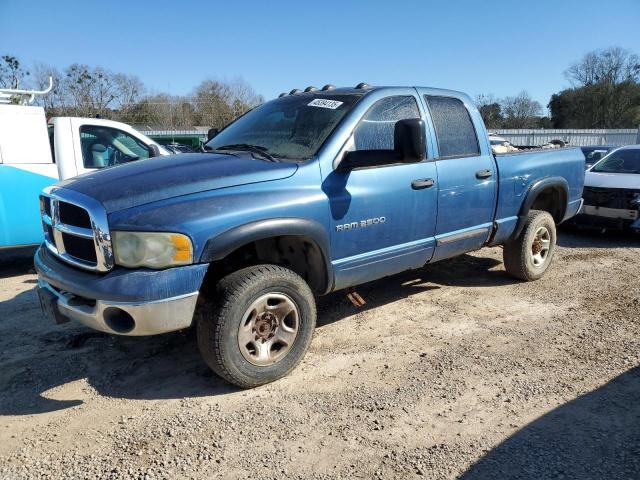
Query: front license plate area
{"points": [[49, 305]]}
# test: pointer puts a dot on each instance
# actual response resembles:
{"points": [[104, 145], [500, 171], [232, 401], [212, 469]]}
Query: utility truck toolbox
{"points": [[310, 193]]}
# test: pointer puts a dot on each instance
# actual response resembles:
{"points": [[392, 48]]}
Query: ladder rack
{"points": [[22, 97]]}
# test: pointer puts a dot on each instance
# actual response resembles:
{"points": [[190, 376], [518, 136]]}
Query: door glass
{"points": [[50, 130], [375, 130], [454, 129], [106, 147]]}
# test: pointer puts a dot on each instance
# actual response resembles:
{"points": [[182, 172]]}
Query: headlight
{"points": [[151, 249]]}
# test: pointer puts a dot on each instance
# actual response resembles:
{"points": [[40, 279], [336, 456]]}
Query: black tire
{"points": [[219, 323], [518, 253]]}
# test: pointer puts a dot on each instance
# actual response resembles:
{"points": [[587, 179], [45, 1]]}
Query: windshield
{"points": [[594, 154], [291, 127], [620, 161]]}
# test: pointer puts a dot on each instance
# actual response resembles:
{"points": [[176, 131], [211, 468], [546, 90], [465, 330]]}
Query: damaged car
{"points": [[612, 191]]}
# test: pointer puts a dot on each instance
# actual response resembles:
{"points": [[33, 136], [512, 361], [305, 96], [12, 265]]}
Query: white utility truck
{"points": [[35, 153]]}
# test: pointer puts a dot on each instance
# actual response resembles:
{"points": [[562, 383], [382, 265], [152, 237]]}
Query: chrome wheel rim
{"points": [[541, 246], [268, 329]]}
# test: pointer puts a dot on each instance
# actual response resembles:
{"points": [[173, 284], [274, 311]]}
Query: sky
{"points": [[497, 47]]}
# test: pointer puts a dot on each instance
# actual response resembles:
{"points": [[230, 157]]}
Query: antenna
{"points": [[24, 97]]}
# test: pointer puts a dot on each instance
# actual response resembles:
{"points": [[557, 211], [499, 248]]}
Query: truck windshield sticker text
{"points": [[360, 224], [322, 103]]}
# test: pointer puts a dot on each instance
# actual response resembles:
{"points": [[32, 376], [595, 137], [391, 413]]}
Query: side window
{"points": [[454, 129], [105, 147], [375, 130], [50, 130]]}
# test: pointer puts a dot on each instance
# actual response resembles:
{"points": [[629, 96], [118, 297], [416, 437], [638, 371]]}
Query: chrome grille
{"points": [[75, 229]]}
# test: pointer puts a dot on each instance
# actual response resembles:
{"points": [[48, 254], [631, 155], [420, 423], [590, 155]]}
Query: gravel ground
{"points": [[452, 370]]}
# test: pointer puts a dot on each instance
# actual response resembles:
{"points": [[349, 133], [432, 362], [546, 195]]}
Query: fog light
{"points": [[118, 320]]}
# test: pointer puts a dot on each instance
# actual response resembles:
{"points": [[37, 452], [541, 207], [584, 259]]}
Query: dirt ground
{"points": [[452, 370]]}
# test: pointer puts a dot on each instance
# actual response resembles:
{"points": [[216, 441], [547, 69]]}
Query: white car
{"points": [[612, 190]]}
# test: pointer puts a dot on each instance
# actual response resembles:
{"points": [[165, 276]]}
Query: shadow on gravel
{"points": [[573, 237], [462, 271], [152, 368], [16, 262], [594, 436], [36, 357]]}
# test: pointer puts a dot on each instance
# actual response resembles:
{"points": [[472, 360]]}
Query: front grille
{"points": [[45, 204], [80, 248], [71, 214], [611, 197], [75, 229]]}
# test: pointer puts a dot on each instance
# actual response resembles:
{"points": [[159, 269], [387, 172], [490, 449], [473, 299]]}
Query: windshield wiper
{"points": [[257, 149]]}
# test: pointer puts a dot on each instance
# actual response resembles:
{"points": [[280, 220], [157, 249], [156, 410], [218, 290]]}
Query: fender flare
{"points": [[221, 245], [531, 196]]}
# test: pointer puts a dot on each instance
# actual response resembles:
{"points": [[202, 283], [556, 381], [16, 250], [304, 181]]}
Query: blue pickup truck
{"points": [[310, 193]]}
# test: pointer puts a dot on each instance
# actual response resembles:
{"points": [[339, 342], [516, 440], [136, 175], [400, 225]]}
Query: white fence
{"points": [[627, 136]]}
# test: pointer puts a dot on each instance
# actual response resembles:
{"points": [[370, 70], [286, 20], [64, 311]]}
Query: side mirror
{"points": [[212, 133], [154, 150], [410, 140], [409, 146]]}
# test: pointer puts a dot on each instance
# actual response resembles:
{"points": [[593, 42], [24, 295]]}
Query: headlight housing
{"points": [[151, 249]]}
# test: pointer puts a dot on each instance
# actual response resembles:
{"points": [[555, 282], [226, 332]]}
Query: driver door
{"points": [[383, 218]]}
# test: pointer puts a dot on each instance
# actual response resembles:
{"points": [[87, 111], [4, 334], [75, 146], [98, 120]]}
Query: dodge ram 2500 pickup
{"points": [[306, 194]]}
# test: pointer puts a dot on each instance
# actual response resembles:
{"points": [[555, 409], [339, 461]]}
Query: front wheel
{"points": [[528, 257], [259, 325]]}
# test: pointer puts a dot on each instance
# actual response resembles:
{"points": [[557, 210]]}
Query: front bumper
{"points": [[608, 218], [123, 302]]}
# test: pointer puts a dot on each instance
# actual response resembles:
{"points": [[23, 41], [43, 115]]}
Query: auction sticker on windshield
{"points": [[323, 103]]}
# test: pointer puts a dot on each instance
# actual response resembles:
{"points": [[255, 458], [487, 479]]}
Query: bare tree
{"points": [[161, 111], [490, 110], [12, 73], [56, 101], [608, 66], [521, 111], [86, 91], [218, 103], [92, 91]]}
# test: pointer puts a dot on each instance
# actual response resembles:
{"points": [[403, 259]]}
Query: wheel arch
{"points": [[549, 194], [276, 241]]}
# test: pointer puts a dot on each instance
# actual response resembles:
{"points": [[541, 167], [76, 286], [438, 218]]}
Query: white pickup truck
{"points": [[35, 154]]}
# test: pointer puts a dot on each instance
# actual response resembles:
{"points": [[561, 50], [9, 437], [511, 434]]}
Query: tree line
{"points": [[604, 92], [84, 91]]}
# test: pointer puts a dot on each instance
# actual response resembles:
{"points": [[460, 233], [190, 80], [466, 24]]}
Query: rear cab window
{"points": [[455, 133]]}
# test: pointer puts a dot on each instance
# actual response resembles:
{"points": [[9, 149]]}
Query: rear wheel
{"points": [[259, 325], [529, 256]]}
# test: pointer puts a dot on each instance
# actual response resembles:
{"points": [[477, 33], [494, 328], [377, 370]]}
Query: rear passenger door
{"points": [[467, 177]]}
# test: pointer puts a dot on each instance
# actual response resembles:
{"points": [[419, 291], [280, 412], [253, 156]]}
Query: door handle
{"points": [[480, 174], [422, 183]]}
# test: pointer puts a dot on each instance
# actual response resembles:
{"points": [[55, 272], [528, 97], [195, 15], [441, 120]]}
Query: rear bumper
{"points": [[124, 302]]}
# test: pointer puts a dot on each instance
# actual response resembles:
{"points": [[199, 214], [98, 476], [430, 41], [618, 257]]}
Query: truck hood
{"points": [[160, 178]]}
